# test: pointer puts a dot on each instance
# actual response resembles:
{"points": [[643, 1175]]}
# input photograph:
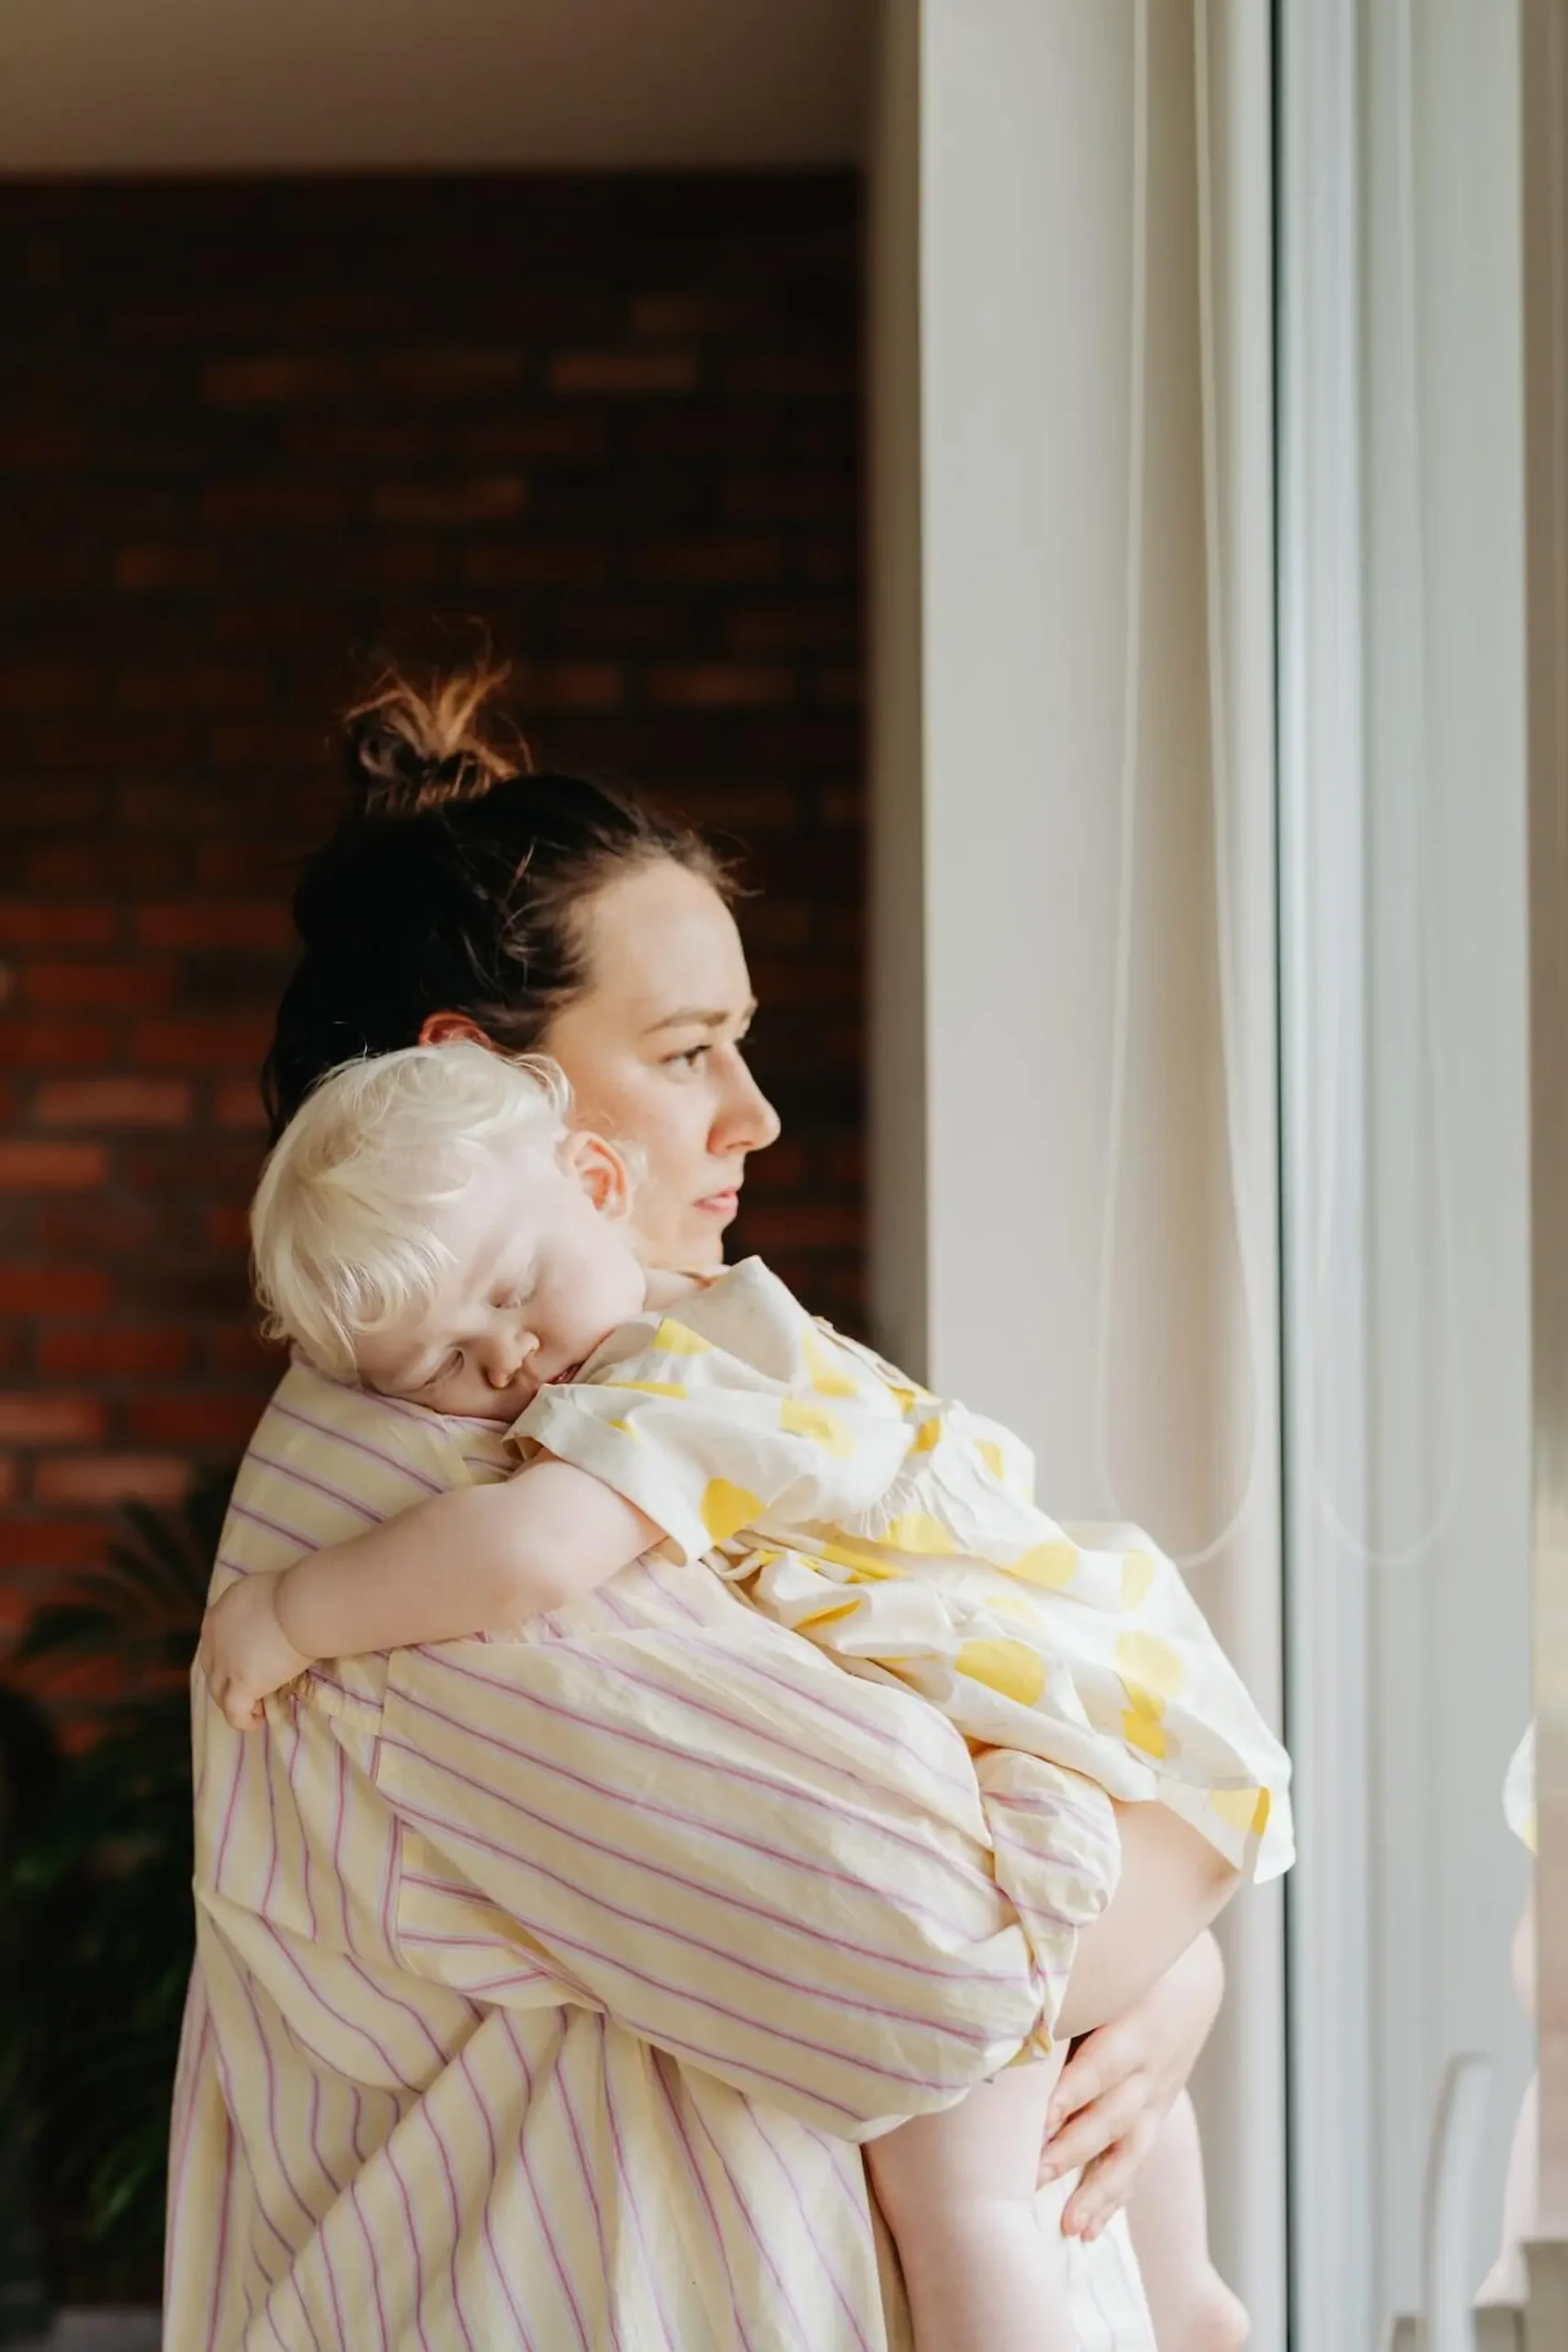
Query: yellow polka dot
{"points": [[863, 1565], [1244, 1810], [1012, 1604], [803, 1419], [1051, 1565], [921, 1531], [1137, 1575], [1011, 1667], [675, 1339], [1153, 1665], [650, 1387], [992, 1454], [830, 1376], [1141, 1726], [627, 1428], [928, 1437], [726, 1507], [907, 1395], [827, 1616]]}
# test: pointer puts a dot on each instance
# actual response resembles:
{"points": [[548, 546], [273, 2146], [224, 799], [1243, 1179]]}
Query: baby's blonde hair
{"points": [[342, 1244]]}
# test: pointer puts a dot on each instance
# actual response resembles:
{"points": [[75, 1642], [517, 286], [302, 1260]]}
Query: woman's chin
{"points": [[689, 1242], [700, 1249]]}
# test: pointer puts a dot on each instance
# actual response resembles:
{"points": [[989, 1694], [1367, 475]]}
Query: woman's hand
{"points": [[245, 1652], [1117, 2087]]}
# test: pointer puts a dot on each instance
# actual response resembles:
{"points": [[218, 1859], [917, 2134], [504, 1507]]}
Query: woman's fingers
{"points": [[1106, 2185], [1095, 2065], [1095, 2129]]}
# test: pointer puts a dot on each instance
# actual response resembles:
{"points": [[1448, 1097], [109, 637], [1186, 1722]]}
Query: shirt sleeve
{"points": [[764, 1869], [710, 1436]]}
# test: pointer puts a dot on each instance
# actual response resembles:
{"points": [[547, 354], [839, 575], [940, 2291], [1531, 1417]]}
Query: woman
{"points": [[544, 1985]]}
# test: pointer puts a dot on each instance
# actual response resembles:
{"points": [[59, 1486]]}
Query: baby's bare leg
{"points": [[957, 2190], [1173, 1884], [1192, 2307]]}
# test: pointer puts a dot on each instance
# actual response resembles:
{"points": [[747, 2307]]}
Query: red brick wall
{"points": [[251, 434]]}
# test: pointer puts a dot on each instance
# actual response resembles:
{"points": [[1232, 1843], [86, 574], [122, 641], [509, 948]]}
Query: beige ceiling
{"points": [[113, 85]]}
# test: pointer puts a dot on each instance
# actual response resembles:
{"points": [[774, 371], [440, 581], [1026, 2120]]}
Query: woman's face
{"points": [[652, 1049]]}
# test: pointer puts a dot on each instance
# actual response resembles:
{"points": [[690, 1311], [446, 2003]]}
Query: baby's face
{"points": [[543, 1270]]}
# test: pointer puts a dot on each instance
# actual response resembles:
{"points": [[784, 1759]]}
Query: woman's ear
{"points": [[601, 1171], [441, 1028]]}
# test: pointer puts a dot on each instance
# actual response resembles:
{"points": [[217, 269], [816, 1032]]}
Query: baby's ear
{"points": [[601, 1171]]}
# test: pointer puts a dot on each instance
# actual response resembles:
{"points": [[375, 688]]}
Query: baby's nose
{"points": [[508, 1354]]}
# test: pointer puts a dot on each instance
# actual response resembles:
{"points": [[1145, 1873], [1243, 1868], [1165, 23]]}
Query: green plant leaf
{"points": [[97, 1928]]}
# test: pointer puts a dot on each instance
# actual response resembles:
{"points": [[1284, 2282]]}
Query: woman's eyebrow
{"points": [[698, 1017]]}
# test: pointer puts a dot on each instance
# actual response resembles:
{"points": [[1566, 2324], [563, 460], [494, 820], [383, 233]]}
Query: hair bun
{"points": [[411, 750]]}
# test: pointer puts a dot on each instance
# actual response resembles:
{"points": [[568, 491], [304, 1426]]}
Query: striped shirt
{"points": [[545, 1984]]}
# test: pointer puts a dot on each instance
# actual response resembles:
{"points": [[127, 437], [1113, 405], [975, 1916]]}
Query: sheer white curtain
{"points": [[1405, 1134], [1074, 1087]]}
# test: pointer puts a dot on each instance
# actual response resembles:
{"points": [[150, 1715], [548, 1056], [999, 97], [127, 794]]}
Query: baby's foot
{"points": [[1211, 2320]]}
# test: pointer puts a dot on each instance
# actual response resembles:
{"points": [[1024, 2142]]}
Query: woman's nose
{"points": [[747, 1121]]}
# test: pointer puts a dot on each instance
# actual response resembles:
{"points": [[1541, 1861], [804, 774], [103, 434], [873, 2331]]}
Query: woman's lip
{"points": [[721, 1204]]}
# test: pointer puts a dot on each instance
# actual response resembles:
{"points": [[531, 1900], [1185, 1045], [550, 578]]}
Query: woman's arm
{"points": [[467, 1562], [782, 1875], [772, 1872]]}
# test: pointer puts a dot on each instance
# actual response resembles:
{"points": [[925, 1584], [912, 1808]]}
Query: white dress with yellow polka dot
{"points": [[900, 1533]]}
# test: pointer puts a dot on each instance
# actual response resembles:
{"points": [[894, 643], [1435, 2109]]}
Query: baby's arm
{"points": [[479, 1558]]}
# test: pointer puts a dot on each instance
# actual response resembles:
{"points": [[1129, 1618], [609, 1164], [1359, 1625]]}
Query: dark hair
{"points": [[457, 881]]}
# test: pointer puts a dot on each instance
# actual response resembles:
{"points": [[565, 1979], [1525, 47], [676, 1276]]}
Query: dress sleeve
{"points": [[753, 1862], [734, 1414]]}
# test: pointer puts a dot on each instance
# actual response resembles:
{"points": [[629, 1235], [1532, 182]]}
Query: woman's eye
{"points": [[692, 1059]]}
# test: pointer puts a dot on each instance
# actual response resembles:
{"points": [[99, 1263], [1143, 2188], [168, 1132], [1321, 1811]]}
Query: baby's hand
{"points": [[244, 1653]]}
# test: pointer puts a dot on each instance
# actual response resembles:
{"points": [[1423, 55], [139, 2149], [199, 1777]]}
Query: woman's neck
{"points": [[667, 1289]]}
